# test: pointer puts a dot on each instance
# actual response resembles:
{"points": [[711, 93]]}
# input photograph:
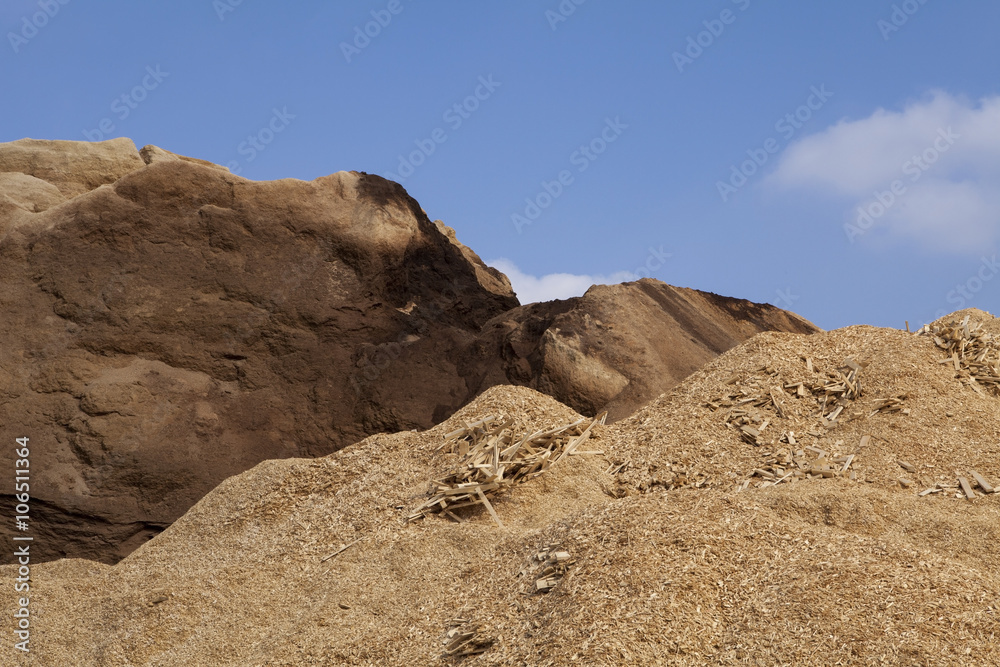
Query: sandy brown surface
{"points": [[670, 565]]}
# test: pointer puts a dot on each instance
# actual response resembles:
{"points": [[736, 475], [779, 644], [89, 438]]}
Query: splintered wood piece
{"points": [[908, 467], [777, 402], [341, 550], [576, 443], [927, 492], [489, 507], [545, 584], [865, 439], [981, 481], [847, 463], [969, 493]]}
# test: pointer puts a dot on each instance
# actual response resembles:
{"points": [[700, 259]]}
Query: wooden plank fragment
{"points": [[969, 493], [489, 507], [981, 481]]}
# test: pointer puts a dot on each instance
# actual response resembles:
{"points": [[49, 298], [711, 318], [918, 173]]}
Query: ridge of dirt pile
{"points": [[618, 346], [648, 551]]}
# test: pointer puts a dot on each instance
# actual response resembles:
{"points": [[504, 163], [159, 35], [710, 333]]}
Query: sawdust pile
{"points": [[671, 547]]}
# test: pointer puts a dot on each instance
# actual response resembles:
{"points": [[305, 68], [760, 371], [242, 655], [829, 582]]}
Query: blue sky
{"points": [[591, 142]]}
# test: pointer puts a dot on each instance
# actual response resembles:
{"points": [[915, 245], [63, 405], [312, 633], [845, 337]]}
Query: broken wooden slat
{"points": [[969, 493], [489, 507], [981, 481]]}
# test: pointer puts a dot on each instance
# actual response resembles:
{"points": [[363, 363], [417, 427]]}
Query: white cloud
{"points": [[943, 154], [532, 289]]}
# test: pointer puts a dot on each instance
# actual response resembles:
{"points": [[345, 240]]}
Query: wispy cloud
{"points": [[532, 289], [943, 153]]}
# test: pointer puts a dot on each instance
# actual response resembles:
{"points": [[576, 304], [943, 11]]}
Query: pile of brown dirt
{"points": [[670, 564], [618, 346]]}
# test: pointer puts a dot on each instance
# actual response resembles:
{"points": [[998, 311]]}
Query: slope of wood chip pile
{"points": [[492, 460], [974, 352], [866, 539]]}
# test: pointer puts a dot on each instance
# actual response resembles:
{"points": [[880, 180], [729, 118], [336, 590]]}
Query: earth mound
{"points": [[169, 324], [619, 346]]}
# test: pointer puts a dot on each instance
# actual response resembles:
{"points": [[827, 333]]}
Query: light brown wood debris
{"points": [[492, 459]]}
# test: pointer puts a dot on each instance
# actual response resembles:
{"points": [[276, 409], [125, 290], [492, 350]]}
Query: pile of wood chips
{"points": [[492, 459], [974, 352]]}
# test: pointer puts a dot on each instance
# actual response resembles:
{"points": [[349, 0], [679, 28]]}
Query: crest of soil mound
{"points": [[168, 324]]}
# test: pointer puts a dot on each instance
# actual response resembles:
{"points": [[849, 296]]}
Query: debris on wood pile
{"points": [[832, 394], [554, 564], [493, 459], [963, 487], [799, 466], [890, 405], [465, 638], [974, 352]]}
